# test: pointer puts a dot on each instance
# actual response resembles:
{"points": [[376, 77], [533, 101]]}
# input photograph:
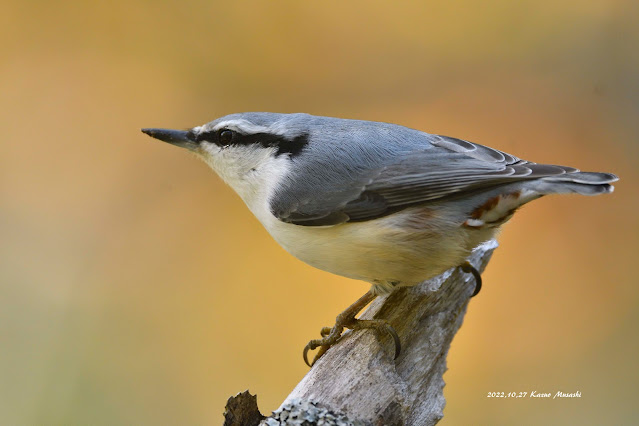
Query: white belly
{"points": [[393, 250]]}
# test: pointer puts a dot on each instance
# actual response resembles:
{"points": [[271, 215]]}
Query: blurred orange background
{"points": [[135, 288]]}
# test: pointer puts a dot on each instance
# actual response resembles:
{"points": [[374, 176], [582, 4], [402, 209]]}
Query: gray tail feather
{"points": [[585, 183]]}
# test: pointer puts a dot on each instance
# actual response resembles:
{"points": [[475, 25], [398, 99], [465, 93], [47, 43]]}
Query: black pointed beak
{"points": [[181, 138]]}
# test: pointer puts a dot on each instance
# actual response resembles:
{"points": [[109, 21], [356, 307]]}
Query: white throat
{"points": [[252, 172]]}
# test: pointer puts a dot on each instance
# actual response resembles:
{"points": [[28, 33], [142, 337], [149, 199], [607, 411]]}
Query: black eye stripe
{"points": [[210, 136], [224, 137], [282, 144]]}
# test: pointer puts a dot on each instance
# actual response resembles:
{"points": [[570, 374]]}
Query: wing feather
{"points": [[446, 168]]}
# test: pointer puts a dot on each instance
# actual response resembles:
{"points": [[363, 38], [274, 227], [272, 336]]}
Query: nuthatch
{"points": [[372, 201]]}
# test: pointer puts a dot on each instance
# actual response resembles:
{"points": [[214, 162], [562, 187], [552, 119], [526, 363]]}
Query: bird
{"points": [[372, 201]]}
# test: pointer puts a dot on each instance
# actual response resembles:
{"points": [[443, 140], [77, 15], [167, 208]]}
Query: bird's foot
{"points": [[330, 336], [470, 269]]}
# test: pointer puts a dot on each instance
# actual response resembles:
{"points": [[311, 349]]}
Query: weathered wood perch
{"points": [[358, 382]]}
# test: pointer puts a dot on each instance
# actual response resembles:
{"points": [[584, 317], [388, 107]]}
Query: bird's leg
{"points": [[470, 269], [347, 320]]}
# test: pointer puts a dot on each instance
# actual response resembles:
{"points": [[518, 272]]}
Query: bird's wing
{"points": [[449, 167]]}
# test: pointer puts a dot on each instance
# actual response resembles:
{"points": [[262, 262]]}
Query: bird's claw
{"points": [[317, 356], [470, 269], [329, 338]]}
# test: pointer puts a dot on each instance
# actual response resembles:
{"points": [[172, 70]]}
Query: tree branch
{"points": [[358, 382]]}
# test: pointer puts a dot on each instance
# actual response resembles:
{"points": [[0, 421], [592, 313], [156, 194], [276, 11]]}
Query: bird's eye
{"points": [[226, 136]]}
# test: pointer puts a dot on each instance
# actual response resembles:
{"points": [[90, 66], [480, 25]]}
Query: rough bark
{"points": [[241, 410], [358, 382]]}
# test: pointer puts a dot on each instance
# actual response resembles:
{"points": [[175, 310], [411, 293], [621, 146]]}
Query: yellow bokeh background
{"points": [[135, 288]]}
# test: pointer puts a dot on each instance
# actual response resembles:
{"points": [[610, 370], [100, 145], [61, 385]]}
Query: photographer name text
{"points": [[534, 394]]}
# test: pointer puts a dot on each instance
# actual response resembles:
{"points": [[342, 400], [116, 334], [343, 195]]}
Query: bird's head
{"points": [[245, 149]]}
